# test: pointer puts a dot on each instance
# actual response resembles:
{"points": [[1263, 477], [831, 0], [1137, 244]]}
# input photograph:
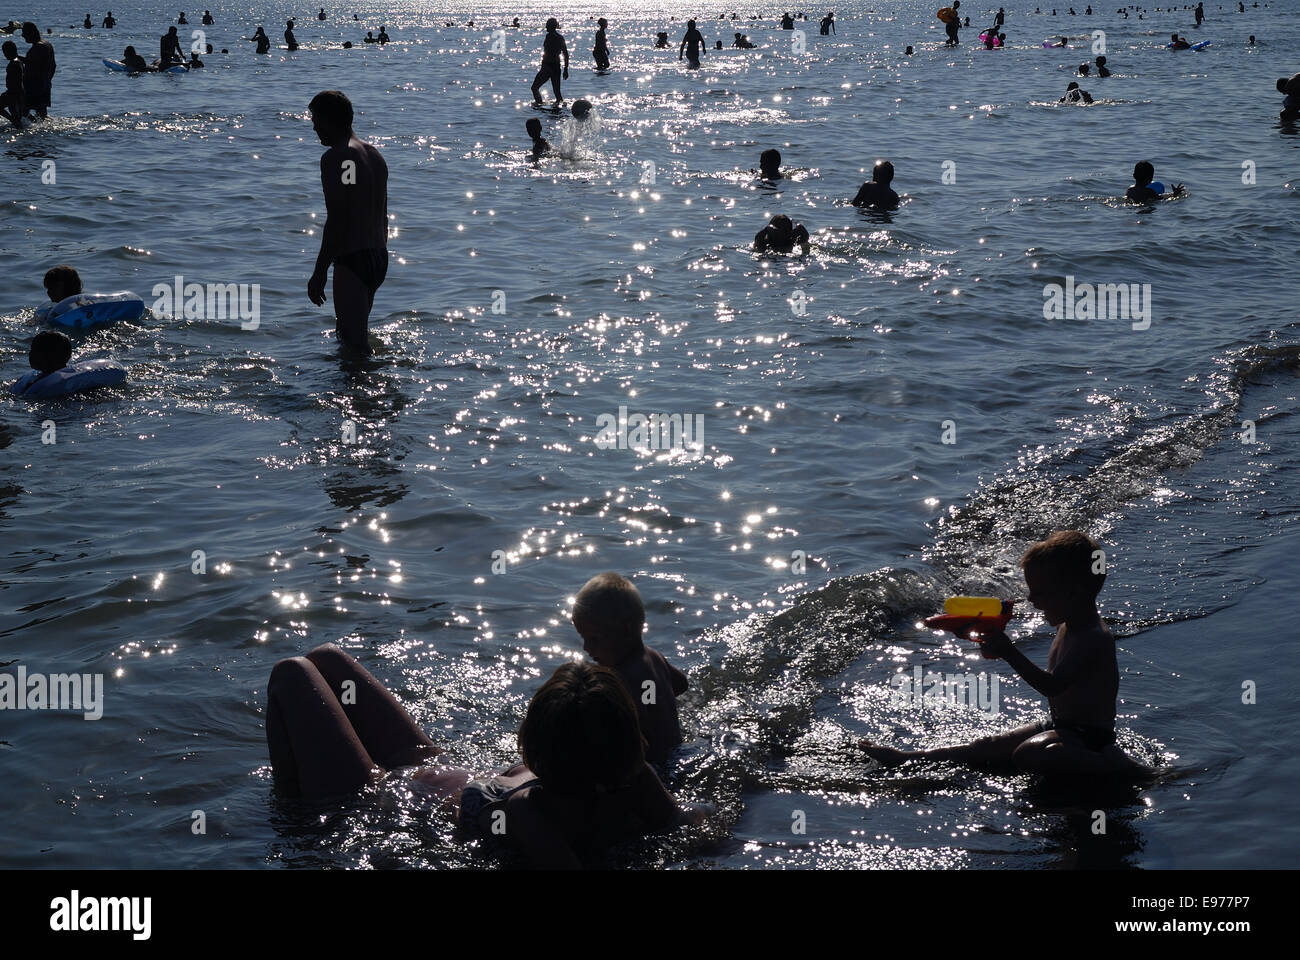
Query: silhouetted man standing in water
{"points": [[693, 45], [355, 239], [553, 47], [38, 71]]}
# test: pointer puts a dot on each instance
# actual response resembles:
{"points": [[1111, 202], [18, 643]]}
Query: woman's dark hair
{"points": [[581, 731]]}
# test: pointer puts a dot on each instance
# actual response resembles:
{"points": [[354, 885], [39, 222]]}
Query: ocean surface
{"points": [[787, 560]]}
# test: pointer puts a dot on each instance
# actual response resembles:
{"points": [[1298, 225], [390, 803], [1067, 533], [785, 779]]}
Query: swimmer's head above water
{"points": [[62, 281], [581, 109], [782, 235], [769, 164], [1143, 191], [50, 351]]}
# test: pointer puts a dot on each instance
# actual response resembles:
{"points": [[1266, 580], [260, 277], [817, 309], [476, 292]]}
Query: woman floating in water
{"points": [[584, 783]]}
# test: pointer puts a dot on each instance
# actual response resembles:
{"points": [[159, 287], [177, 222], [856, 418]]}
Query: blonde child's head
{"points": [[610, 617], [1064, 573]]}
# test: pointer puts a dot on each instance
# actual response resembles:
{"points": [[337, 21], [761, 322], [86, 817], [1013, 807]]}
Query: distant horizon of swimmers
{"points": [[368, 266], [781, 234]]}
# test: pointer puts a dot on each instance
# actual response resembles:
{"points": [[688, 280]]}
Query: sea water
{"points": [[885, 422]]}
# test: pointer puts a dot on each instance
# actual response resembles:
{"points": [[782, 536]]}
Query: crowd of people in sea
{"points": [[29, 82], [599, 737], [360, 260]]}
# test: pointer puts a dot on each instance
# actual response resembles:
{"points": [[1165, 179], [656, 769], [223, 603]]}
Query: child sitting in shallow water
{"points": [[332, 728], [1081, 681], [610, 617]]}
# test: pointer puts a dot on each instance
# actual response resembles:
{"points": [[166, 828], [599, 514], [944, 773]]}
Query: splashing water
{"points": [[580, 139]]}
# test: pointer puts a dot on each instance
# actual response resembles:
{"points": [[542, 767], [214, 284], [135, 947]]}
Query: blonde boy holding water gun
{"points": [[1080, 683]]}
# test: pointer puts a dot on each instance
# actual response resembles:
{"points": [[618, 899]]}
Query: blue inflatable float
{"points": [[120, 67], [72, 379], [83, 310]]}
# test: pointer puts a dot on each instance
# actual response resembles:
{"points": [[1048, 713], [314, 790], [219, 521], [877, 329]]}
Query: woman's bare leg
{"points": [[315, 752], [384, 728]]}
